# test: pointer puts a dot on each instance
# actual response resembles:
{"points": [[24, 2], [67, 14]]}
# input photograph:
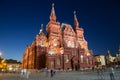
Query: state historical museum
{"points": [[62, 48]]}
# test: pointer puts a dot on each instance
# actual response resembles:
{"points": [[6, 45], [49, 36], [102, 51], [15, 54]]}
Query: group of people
{"points": [[25, 73], [52, 72], [100, 73]]}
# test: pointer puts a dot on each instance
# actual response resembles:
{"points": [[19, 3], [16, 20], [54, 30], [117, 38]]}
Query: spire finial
{"points": [[109, 52], [74, 12], [76, 23], [52, 15], [53, 4], [42, 26], [75, 17], [41, 30]]}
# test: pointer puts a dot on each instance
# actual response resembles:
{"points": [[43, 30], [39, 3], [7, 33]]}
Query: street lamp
{"points": [[0, 54]]}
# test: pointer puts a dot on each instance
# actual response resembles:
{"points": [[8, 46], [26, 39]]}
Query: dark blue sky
{"points": [[20, 22]]}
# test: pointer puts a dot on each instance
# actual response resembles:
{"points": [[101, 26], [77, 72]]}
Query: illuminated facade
{"points": [[109, 58], [117, 59], [99, 61], [63, 47]]}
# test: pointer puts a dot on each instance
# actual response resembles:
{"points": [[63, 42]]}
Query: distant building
{"points": [[99, 60], [109, 59], [13, 65], [64, 47], [3, 65], [117, 58]]}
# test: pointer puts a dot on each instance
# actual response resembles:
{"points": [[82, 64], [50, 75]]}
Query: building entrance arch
{"points": [[74, 64]]}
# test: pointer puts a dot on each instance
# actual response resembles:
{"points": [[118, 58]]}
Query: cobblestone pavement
{"points": [[74, 75]]}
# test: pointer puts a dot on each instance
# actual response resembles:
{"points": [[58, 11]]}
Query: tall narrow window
{"points": [[66, 57], [75, 53], [58, 61], [81, 58], [52, 64]]}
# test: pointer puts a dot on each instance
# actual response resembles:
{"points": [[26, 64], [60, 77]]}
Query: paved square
{"points": [[74, 75]]}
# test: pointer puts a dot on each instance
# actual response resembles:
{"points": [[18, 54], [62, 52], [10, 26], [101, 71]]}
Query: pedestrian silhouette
{"points": [[111, 72], [52, 72], [100, 74], [27, 74]]}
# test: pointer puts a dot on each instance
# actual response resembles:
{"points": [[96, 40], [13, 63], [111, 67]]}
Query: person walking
{"points": [[22, 74], [111, 72], [51, 72], [100, 73], [28, 74]]}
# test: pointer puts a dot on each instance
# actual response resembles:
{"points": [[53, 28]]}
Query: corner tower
{"points": [[53, 32], [41, 38], [82, 43]]}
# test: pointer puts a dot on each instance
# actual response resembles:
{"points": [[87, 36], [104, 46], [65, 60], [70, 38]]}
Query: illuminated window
{"points": [[52, 64], [81, 57], [66, 57], [58, 61]]}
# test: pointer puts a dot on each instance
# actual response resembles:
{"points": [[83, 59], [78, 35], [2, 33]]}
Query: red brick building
{"points": [[63, 47]]}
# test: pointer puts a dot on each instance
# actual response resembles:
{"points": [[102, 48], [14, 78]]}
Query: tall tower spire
{"points": [[108, 52], [41, 30], [52, 15], [42, 26], [76, 23]]}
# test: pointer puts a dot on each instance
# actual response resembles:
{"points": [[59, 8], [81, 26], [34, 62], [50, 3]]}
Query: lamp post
{"points": [[0, 57], [0, 54]]}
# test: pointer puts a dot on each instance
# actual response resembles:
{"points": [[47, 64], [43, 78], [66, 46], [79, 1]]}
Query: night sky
{"points": [[20, 22]]}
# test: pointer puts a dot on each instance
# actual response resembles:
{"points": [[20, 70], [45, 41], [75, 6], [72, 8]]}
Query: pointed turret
{"points": [[108, 52], [76, 23], [52, 15], [41, 30]]}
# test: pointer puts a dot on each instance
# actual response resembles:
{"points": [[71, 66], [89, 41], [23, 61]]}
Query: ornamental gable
{"points": [[69, 38], [41, 39]]}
